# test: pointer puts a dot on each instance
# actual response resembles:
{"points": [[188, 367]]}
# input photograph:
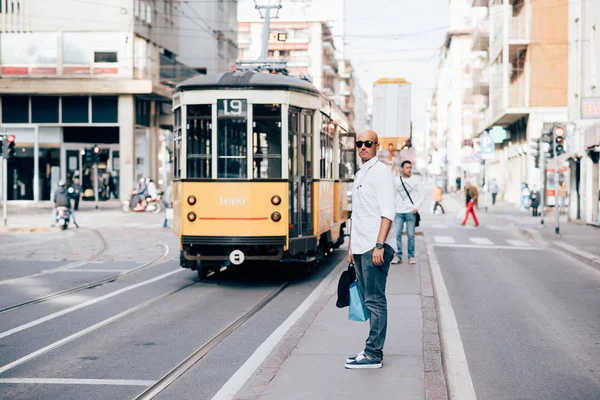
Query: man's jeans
{"points": [[371, 283], [399, 221]]}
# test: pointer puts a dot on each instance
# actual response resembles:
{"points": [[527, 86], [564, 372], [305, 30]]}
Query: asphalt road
{"points": [[115, 339], [528, 316]]}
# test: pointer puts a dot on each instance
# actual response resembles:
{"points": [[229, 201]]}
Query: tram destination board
{"points": [[232, 108]]}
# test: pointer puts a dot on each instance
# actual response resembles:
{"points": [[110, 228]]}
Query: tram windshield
{"points": [[232, 143]]}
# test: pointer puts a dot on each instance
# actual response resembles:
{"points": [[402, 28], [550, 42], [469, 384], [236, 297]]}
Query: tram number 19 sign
{"points": [[232, 108]]}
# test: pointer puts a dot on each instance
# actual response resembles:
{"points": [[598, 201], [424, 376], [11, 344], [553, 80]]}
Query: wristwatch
{"points": [[379, 245]]}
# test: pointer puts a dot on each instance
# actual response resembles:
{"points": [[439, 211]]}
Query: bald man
{"points": [[372, 243]]}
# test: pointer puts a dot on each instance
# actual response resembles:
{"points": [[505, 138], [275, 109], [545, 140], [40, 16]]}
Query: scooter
{"points": [[63, 217], [151, 205]]}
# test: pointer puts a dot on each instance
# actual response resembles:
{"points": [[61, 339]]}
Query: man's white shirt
{"points": [[373, 197], [415, 189]]}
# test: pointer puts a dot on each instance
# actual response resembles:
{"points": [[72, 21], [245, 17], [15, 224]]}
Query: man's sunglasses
{"points": [[367, 143]]}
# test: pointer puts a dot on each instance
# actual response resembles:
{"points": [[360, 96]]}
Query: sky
{"points": [[397, 39]]}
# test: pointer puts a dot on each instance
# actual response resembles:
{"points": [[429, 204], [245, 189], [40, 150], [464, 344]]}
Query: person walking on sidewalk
{"points": [[372, 244], [436, 196], [494, 191], [534, 195], [409, 197], [472, 197]]}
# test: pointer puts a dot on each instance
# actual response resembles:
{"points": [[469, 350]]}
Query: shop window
{"points": [[142, 112], [44, 109], [266, 141], [20, 175], [199, 140], [91, 134], [105, 109], [75, 109], [15, 109]]}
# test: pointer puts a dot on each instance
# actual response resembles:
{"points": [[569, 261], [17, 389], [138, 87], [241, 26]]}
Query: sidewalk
{"points": [[309, 361]]}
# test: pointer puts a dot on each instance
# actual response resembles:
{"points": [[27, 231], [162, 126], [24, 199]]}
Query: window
{"points": [[142, 112], [177, 144], [266, 141], [75, 109], [105, 109], [232, 128], [44, 109], [347, 155], [15, 109], [105, 57], [327, 129], [13, 48], [77, 47], [44, 48], [199, 140]]}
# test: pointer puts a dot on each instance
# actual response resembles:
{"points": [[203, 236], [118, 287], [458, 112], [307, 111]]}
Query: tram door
{"points": [[301, 172]]}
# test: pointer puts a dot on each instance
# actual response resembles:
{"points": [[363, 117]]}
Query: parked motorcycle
{"points": [[151, 205]]}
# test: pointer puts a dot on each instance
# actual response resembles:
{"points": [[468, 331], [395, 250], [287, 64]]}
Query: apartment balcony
{"points": [[302, 61], [172, 72], [516, 96], [481, 36], [328, 48], [481, 81], [328, 70], [480, 3]]}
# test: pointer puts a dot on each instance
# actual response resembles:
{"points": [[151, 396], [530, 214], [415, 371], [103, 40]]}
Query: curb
{"points": [[581, 255], [30, 229]]}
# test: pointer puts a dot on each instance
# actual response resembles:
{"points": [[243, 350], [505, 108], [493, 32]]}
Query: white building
{"points": [[208, 35], [362, 116], [79, 73], [583, 137]]}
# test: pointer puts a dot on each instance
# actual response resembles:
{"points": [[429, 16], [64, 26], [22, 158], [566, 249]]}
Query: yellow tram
{"points": [[262, 167]]}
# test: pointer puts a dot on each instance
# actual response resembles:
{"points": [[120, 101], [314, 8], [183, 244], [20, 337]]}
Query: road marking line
{"points": [[444, 239], [518, 243], [63, 381], [439, 226], [481, 240], [497, 228], [85, 331], [456, 367], [483, 246], [95, 270], [87, 303], [237, 380]]}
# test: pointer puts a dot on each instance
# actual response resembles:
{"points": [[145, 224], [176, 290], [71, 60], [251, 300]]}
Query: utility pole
{"points": [[264, 54], [556, 215], [4, 163], [543, 183]]}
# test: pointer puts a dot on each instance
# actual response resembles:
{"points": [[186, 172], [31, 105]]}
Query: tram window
{"points": [[266, 141], [232, 147], [307, 132], [177, 144], [347, 155], [326, 148], [199, 139]]}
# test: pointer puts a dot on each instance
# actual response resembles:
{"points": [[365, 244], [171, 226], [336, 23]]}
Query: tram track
{"points": [[198, 354], [89, 285]]}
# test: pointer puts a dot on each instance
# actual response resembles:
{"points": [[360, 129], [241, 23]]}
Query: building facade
{"points": [[76, 74], [208, 35], [583, 133], [522, 75]]}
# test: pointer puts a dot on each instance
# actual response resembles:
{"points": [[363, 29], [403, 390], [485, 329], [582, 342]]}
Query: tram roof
{"points": [[247, 80]]}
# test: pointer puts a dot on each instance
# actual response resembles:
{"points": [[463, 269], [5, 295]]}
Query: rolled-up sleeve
{"points": [[386, 193]]}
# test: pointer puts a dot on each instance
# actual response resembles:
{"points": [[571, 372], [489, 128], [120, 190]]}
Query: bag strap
{"points": [[410, 198]]}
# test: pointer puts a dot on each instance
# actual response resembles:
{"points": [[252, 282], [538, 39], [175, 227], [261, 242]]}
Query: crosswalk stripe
{"points": [[518, 243], [480, 240], [497, 228], [439, 226], [444, 239]]}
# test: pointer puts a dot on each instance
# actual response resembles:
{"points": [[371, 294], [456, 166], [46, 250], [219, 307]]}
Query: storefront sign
{"points": [[590, 107]]}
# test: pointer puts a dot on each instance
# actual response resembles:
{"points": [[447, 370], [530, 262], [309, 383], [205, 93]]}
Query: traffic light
{"points": [[559, 139], [534, 146], [11, 146], [546, 144]]}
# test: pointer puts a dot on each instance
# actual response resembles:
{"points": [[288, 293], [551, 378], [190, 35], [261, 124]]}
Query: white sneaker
{"points": [[396, 260], [412, 260]]}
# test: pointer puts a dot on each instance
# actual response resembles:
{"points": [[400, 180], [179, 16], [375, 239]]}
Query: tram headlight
{"points": [[191, 200], [276, 217], [191, 216], [276, 200]]}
